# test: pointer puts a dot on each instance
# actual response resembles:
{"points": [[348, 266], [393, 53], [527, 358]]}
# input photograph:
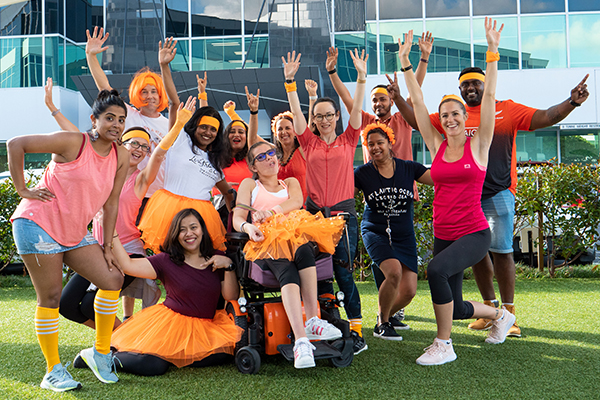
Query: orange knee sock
{"points": [[46, 329], [356, 325], [105, 307]]}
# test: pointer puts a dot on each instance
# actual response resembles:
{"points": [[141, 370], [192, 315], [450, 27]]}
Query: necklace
{"points": [[390, 206], [289, 158]]}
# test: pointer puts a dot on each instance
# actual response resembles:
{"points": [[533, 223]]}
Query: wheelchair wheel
{"points": [[347, 355], [242, 322], [247, 360]]}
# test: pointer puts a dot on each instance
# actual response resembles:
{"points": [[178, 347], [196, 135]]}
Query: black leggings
{"points": [[286, 271], [149, 365], [76, 303], [445, 271]]}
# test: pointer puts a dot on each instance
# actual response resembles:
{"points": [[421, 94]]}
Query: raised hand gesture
{"points": [[332, 58], [95, 41], [360, 63], [311, 87], [185, 111], [425, 44], [492, 35], [252, 99], [228, 104], [393, 88], [579, 94], [202, 83], [48, 95], [290, 67], [404, 48], [166, 53]]}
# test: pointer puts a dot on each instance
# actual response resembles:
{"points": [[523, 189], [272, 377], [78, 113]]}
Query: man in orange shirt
{"points": [[498, 197]]}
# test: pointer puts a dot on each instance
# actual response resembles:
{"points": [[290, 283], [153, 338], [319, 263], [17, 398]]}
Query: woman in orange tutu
{"points": [[187, 329], [193, 165], [285, 240]]}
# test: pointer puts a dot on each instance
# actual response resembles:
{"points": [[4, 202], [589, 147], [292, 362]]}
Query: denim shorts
{"points": [[500, 214], [30, 238]]}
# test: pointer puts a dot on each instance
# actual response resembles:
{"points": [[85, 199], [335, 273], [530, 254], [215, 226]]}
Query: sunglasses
{"points": [[328, 117], [137, 145], [263, 156]]}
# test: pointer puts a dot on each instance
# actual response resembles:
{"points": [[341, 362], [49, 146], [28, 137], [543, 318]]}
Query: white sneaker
{"points": [[303, 354], [318, 329], [500, 328], [438, 353]]}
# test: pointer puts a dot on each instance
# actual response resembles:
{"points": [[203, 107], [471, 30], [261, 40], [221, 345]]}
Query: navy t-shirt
{"points": [[190, 291], [393, 196]]}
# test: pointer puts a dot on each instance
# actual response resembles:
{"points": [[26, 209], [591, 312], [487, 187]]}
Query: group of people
{"points": [[147, 183]]}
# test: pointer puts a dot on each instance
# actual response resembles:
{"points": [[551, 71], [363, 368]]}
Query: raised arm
{"points": [[311, 87], [432, 138], [403, 106], [360, 63], [290, 67], [253, 102], [483, 139], [138, 267], [166, 54], [555, 114], [425, 45], [61, 120], [202, 96], [338, 85], [93, 47]]}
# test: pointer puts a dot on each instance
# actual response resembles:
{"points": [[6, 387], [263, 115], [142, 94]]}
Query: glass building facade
{"points": [[46, 38]]}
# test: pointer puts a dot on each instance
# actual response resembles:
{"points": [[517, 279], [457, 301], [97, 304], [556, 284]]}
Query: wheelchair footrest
{"points": [[324, 351]]}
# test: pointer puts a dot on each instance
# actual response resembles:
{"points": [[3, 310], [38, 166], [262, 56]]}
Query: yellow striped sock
{"points": [[356, 325], [46, 329], [105, 307]]}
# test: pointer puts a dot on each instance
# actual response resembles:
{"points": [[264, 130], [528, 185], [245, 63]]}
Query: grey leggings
{"points": [[445, 271]]}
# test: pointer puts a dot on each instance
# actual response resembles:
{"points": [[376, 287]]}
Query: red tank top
{"points": [[81, 187], [295, 168], [457, 203]]}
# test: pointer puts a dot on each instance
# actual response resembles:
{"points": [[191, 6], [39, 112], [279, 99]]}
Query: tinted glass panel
{"points": [[536, 146], [371, 4], [82, 15], [54, 16], [447, 8], [509, 44], [181, 62], [21, 62], [54, 60], [390, 32], [371, 34], [579, 146], [451, 48], [400, 9], [257, 55], [584, 5], [251, 11], [344, 44], [487, 7], [176, 18], [581, 41], [544, 41], [211, 54], [216, 18], [76, 63], [21, 18], [537, 6]]}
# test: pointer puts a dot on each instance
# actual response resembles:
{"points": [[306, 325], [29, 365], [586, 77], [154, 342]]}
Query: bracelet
{"points": [[424, 60], [574, 104], [491, 57], [272, 212], [116, 236], [53, 113], [333, 71], [242, 227], [290, 80], [202, 96], [313, 98], [280, 209], [253, 112], [361, 81], [290, 87], [406, 69]]}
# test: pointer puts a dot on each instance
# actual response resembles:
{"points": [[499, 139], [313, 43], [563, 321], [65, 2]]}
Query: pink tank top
{"points": [[265, 200], [81, 187], [295, 168], [457, 203], [129, 206]]}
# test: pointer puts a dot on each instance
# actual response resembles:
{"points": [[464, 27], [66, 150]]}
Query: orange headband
{"points": [[135, 133], [379, 90], [472, 75], [378, 125], [452, 97], [210, 121], [277, 118], [238, 123]]}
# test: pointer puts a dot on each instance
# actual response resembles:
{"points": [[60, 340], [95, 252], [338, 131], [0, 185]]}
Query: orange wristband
{"points": [[290, 87], [491, 57], [203, 96]]}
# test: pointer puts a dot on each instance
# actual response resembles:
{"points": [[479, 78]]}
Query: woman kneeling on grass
{"points": [[186, 329], [462, 235]]}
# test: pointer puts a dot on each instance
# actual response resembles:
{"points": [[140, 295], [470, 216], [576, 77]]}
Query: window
{"points": [[344, 44], [400, 9], [451, 48], [537, 6], [579, 146], [509, 44], [539, 145], [447, 8], [390, 32], [583, 47], [496, 7], [544, 42]]}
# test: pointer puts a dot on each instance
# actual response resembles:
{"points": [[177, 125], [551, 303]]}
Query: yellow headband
{"points": [[380, 90], [238, 123], [452, 97], [378, 125], [135, 133], [472, 75], [210, 121]]}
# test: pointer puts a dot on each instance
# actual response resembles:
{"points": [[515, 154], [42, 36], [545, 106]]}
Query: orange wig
{"points": [[146, 77]]}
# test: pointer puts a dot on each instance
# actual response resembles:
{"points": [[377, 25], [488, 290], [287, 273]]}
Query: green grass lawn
{"points": [[558, 356]]}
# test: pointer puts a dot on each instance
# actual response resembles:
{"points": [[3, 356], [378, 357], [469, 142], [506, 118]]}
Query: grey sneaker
{"points": [[438, 353], [103, 366], [59, 380], [500, 328]]}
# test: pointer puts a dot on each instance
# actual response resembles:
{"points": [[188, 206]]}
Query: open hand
{"points": [[404, 48], [166, 53], [360, 62], [95, 41], [48, 95], [492, 35], [290, 67], [425, 43], [185, 111], [332, 57]]}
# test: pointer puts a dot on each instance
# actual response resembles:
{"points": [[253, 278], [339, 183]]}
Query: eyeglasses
{"points": [[136, 145], [328, 117], [263, 156]]}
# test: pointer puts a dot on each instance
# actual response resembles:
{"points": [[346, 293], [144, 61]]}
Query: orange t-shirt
{"points": [[502, 162]]}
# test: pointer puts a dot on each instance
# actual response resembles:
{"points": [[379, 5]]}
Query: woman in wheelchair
{"points": [[187, 329], [284, 239]]}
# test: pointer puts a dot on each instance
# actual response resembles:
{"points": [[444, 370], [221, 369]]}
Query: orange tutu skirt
{"points": [[163, 206], [179, 339], [285, 233]]}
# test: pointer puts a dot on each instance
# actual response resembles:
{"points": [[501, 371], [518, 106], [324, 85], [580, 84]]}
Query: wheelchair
{"points": [[259, 312]]}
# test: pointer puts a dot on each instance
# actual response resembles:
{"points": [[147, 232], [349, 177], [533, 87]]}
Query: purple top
{"points": [[190, 291]]}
